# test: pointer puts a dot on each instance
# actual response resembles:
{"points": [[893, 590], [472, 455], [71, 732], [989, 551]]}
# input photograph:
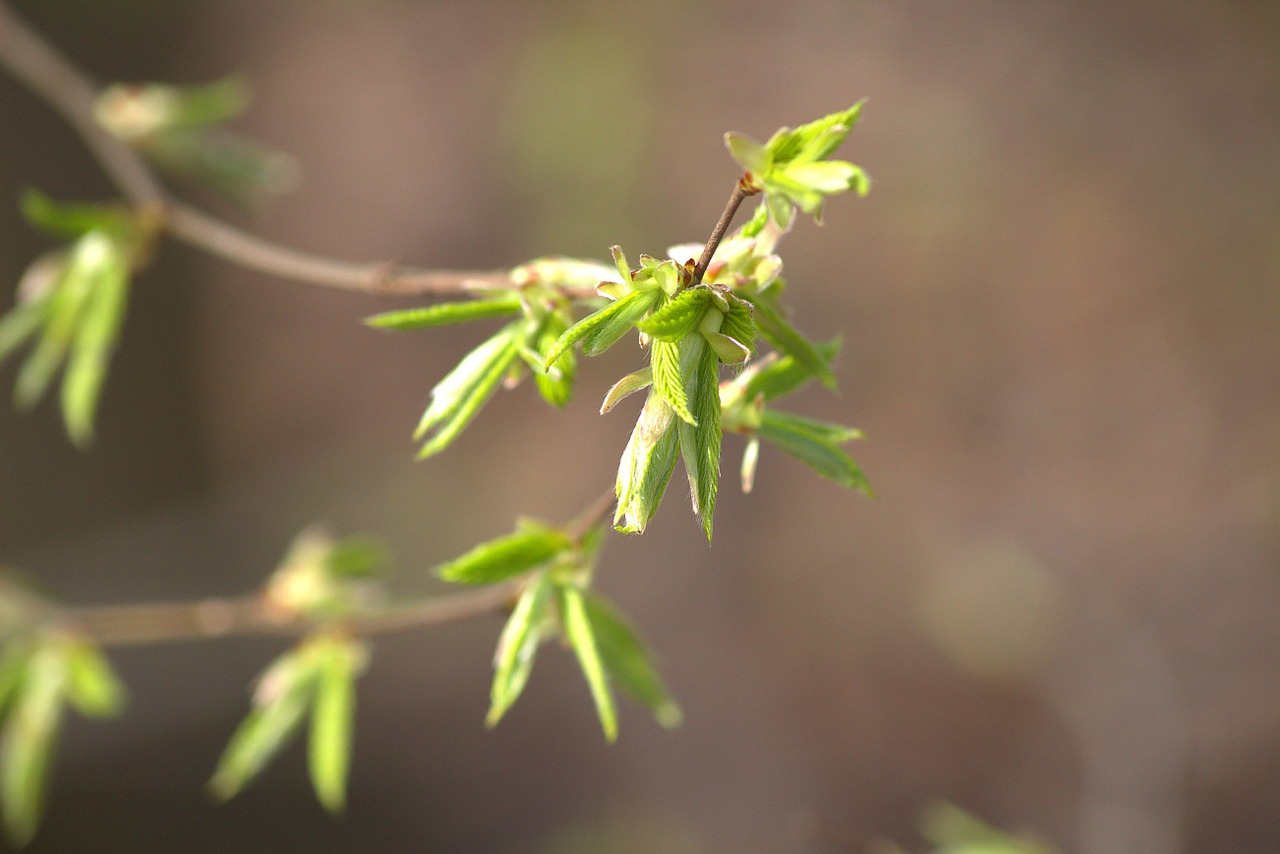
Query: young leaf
{"points": [[700, 445], [555, 381], [517, 646], [578, 631], [506, 557], [30, 732], [781, 376], [628, 662], [356, 557], [630, 384], [678, 317], [738, 324], [66, 304], [281, 700], [95, 338], [782, 336], [602, 327], [646, 465], [329, 745], [92, 687], [73, 219], [816, 445], [664, 361], [750, 458], [446, 313], [20, 323], [751, 155], [459, 396]]}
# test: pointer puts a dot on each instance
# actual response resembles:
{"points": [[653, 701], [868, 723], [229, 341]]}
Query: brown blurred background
{"points": [[1060, 312]]}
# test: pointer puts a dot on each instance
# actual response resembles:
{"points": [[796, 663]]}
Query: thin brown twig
{"points": [[741, 190], [73, 95]]}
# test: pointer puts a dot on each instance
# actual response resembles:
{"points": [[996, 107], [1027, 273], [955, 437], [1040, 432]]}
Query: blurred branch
{"points": [[73, 95], [158, 622]]}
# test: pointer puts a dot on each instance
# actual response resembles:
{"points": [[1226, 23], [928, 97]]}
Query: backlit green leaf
{"points": [[283, 694], [73, 219], [602, 328], [554, 381], [356, 557], [20, 323], [506, 557], [578, 631], [628, 662], [460, 395], [445, 313], [751, 155], [664, 361], [700, 445], [783, 375], [678, 316], [95, 337], [92, 687], [781, 335], [816, 445], [66, 305], [332, 715], [630, 384], [646, 465], [30, 732], [750, 459], [518, 645]]}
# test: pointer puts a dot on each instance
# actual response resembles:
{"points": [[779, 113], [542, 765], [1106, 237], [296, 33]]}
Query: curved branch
{"points": [[73, 95]]}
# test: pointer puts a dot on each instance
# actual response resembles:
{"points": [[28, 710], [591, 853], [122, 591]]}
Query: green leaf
{"points": [[628, 662], [92, 687], [356, 557], [506, 557], [646, 465], [96, 334], [751, 155], [329, 746], [781, 211], [561, 272], [678, 316], [66, 305], [781, 335], [73, 219], [815, 445], [518, 645], [457, 398], [554, 382], [445, 313], [21, 322], [738, 324], [13, 668], [664, 361], [781, 376], [578, 631], [602, 328], [630, 384], [30, 733], [700, 445], [750, 459], [281, 700]]}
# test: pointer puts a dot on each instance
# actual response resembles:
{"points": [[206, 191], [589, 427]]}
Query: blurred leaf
{"points": [[784, 375], [782, 336], [20, 323], [578, 631], [646, 465], [234, 166], [92, 687], [506, 557], [750, 459], [559, 272], [13, 668], [664, 362], [283, 693], [678, 316], [815, 445], [356, 557], [700, 444], [329, 748], [751, 155], [75, 219], [95, 336], [628, 662], [457, 398], [956, 831], [446, 313], [132, 111], [518, 645], [813, 140], [630, 384], [30, 732]]}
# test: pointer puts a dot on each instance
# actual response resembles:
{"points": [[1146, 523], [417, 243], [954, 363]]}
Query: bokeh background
{"points": [[1059, 308]]}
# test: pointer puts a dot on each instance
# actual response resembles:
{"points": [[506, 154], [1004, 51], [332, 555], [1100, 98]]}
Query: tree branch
{"points": [[73, 95], [741, 190]]}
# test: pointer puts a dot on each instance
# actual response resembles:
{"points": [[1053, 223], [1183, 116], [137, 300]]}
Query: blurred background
{"points": [[1059, 309]]}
